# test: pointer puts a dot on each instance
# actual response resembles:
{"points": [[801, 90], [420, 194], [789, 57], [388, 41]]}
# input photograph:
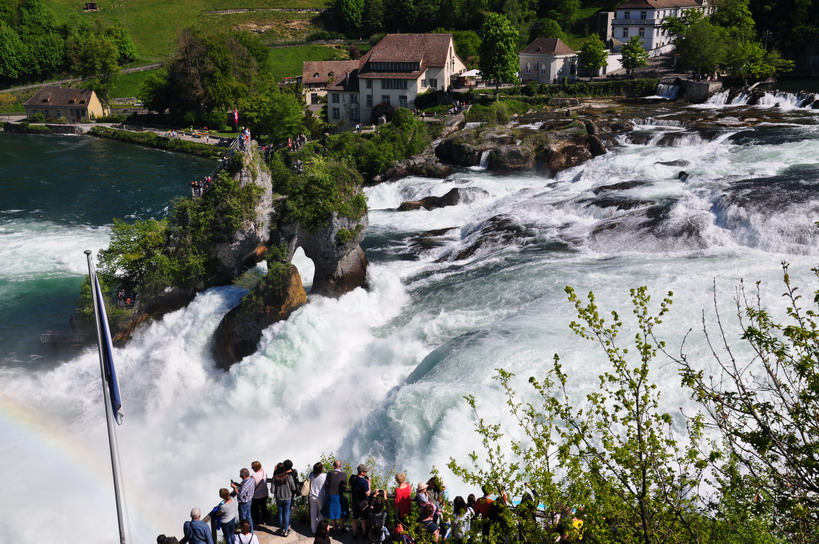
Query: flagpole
{"points": [[106, 397]]}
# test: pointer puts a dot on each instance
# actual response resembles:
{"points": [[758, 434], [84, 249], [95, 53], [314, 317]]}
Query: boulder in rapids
{"points": [[451, 198]]}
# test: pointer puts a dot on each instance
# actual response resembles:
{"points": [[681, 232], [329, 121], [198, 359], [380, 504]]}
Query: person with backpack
{"points": [[378, 518], [360, 490], [246, 537]]}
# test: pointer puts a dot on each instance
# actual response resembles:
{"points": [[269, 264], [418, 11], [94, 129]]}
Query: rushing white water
{"points": [[381, 373], [666, 91], [777, 99]]}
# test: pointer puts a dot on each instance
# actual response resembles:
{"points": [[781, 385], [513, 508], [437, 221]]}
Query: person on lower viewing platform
{"points": [[228, 514], [332, 483], [258, 506], [244, 493], [284, 489], [427, 513], [360, 490], [246, 537], [317, 495], [196, 530]]}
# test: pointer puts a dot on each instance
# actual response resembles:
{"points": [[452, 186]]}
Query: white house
{"points": [[644, 18], [547, 60], [395, 71]]}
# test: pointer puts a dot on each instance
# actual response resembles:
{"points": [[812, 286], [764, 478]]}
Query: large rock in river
{"points": [[275, 297]]}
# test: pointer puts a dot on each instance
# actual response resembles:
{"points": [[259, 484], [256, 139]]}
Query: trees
{"points": [[549, 28], [351, 15], [702, 46], [633, 55], [593, 55], [748, 59], [499, 50], [210, 71], [94, 59], [735, 15]]}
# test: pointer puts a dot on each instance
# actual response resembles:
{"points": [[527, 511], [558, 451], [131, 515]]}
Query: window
{"points": [[369, 83], [402, 101], [314, 98], [527, 68], [369, 101], [385, 98], [627, 15], [625, 32], [393, 83], [542, 67], [336, 113], [423, 83], [433, 83], [642, 32], [335, 98], [354, 115], [354, 98], [642, 15]]}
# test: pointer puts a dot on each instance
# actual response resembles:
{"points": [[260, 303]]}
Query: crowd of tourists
{"points": [[339, 503]]}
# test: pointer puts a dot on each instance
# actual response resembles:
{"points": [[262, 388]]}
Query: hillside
{"points": [[154, 24]]}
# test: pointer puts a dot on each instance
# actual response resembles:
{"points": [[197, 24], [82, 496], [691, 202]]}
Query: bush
{"points": [[37, 118], [426, 99], [324, 35], [114, 118]]}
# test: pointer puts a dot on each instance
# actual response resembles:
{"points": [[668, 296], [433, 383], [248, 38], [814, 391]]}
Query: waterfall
{"points": [[667, 91], [718, 99], [484, 164]]}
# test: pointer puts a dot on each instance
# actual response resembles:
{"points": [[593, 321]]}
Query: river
{"points": [[376, 374]]}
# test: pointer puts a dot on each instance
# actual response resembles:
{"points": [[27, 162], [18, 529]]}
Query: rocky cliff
{"points": [[547, 146], [332, 245]]}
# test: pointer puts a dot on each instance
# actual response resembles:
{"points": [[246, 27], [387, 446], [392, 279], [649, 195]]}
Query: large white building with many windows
{"points": [[394, 72], [644, 18]]}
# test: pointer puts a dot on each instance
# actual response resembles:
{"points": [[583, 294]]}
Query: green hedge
{"points": [[26, 128], [535, 93], [151, 139]]}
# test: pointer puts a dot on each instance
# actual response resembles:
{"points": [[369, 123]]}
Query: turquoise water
{"points": [[58, 196]]}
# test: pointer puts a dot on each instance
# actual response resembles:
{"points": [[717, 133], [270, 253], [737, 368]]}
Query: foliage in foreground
{"points": [[766, 407], [644, 475]]}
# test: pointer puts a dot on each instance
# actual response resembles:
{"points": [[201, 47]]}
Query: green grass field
{"points": [[154, 23], [287, 61], [127, 85]]}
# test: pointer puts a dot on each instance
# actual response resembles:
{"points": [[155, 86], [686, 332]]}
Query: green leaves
{"points": [[633, 54], [499, 49], [593, 55]]}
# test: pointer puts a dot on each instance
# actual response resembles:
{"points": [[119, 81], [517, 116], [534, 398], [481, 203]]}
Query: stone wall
{"points": [[699, 91]]}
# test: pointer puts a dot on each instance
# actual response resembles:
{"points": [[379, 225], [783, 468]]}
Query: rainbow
{"points": [[51, 444]]}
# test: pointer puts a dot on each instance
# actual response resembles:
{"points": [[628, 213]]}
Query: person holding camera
{"points": [[244, 494]]}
